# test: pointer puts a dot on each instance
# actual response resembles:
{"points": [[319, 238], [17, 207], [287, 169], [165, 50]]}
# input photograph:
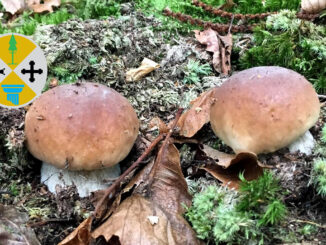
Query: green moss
{"points": [[223, 216], [318, 176], [292, 43]]}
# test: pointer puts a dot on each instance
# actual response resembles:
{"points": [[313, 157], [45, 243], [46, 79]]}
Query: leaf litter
{"points": [[18, 6], [168, 69], [160, 191]]}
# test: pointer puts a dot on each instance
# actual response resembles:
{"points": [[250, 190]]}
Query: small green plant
{"points": [[194, 71], [308, 230], [318, 176], [14, 189], [261, 197], [223, 216]]}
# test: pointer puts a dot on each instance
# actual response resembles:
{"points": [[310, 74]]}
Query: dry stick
{"points": [[44, 222], [309, 222], [132, 167]]}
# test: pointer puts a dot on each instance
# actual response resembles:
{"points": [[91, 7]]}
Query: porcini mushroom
{"points": [[263, 109], [81, 132]]}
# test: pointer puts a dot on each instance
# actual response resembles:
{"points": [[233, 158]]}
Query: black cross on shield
{"points": [[32, 71]]}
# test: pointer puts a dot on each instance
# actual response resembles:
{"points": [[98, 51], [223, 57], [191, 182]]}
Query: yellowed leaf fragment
{"points": [[146, 67]]}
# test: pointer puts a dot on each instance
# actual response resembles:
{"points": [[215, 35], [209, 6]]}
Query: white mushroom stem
{"points": [[303, 144], [85, 181]]}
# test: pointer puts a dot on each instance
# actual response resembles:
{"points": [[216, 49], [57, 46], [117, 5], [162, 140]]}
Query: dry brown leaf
{"points": [[166, 192], [229, 166], [208, 38], [13, 6], [81, 235], [220, 46], [225, 53], [47, 6], [158, 123], [198, 115], [131, 224], [13, 229], [226, 160], [146, 67]]}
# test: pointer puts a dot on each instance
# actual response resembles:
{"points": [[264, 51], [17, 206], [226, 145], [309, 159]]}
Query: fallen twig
{"points": [[309, 222], [44, 222], [220, 28], [260, 16], [4, 192], [118, 181]]}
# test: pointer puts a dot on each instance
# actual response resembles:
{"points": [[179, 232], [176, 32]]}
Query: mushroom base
{"points": [[85, 181], [304, 144]]}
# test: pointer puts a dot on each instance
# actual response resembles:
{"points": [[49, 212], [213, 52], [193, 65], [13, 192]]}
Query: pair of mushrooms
{"points": [[84, 130]]}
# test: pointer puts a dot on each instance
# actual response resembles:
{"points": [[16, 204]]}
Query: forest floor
{"points": [[106, 49]]}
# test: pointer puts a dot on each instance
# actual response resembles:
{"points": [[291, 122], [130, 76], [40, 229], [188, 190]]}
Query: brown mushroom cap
{"points": [[83, 127], [263, 109]]}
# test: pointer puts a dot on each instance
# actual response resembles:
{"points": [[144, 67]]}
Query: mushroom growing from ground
{"points": [[80, 132], [263, 109]]}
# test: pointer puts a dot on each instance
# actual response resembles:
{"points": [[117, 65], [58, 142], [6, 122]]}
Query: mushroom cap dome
{"points": [[263, 109], [81, 126]]}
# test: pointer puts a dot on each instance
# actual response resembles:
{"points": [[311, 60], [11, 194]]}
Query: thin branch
{"points": [[309, 222], [44, 222], [121, 178]]}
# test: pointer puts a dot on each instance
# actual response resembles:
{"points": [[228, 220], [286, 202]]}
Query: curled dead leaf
{"points": [[13, 229], [81, 235], [220, 46], [146, 67], [156, 122], [199, 114], [227, 167]]}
